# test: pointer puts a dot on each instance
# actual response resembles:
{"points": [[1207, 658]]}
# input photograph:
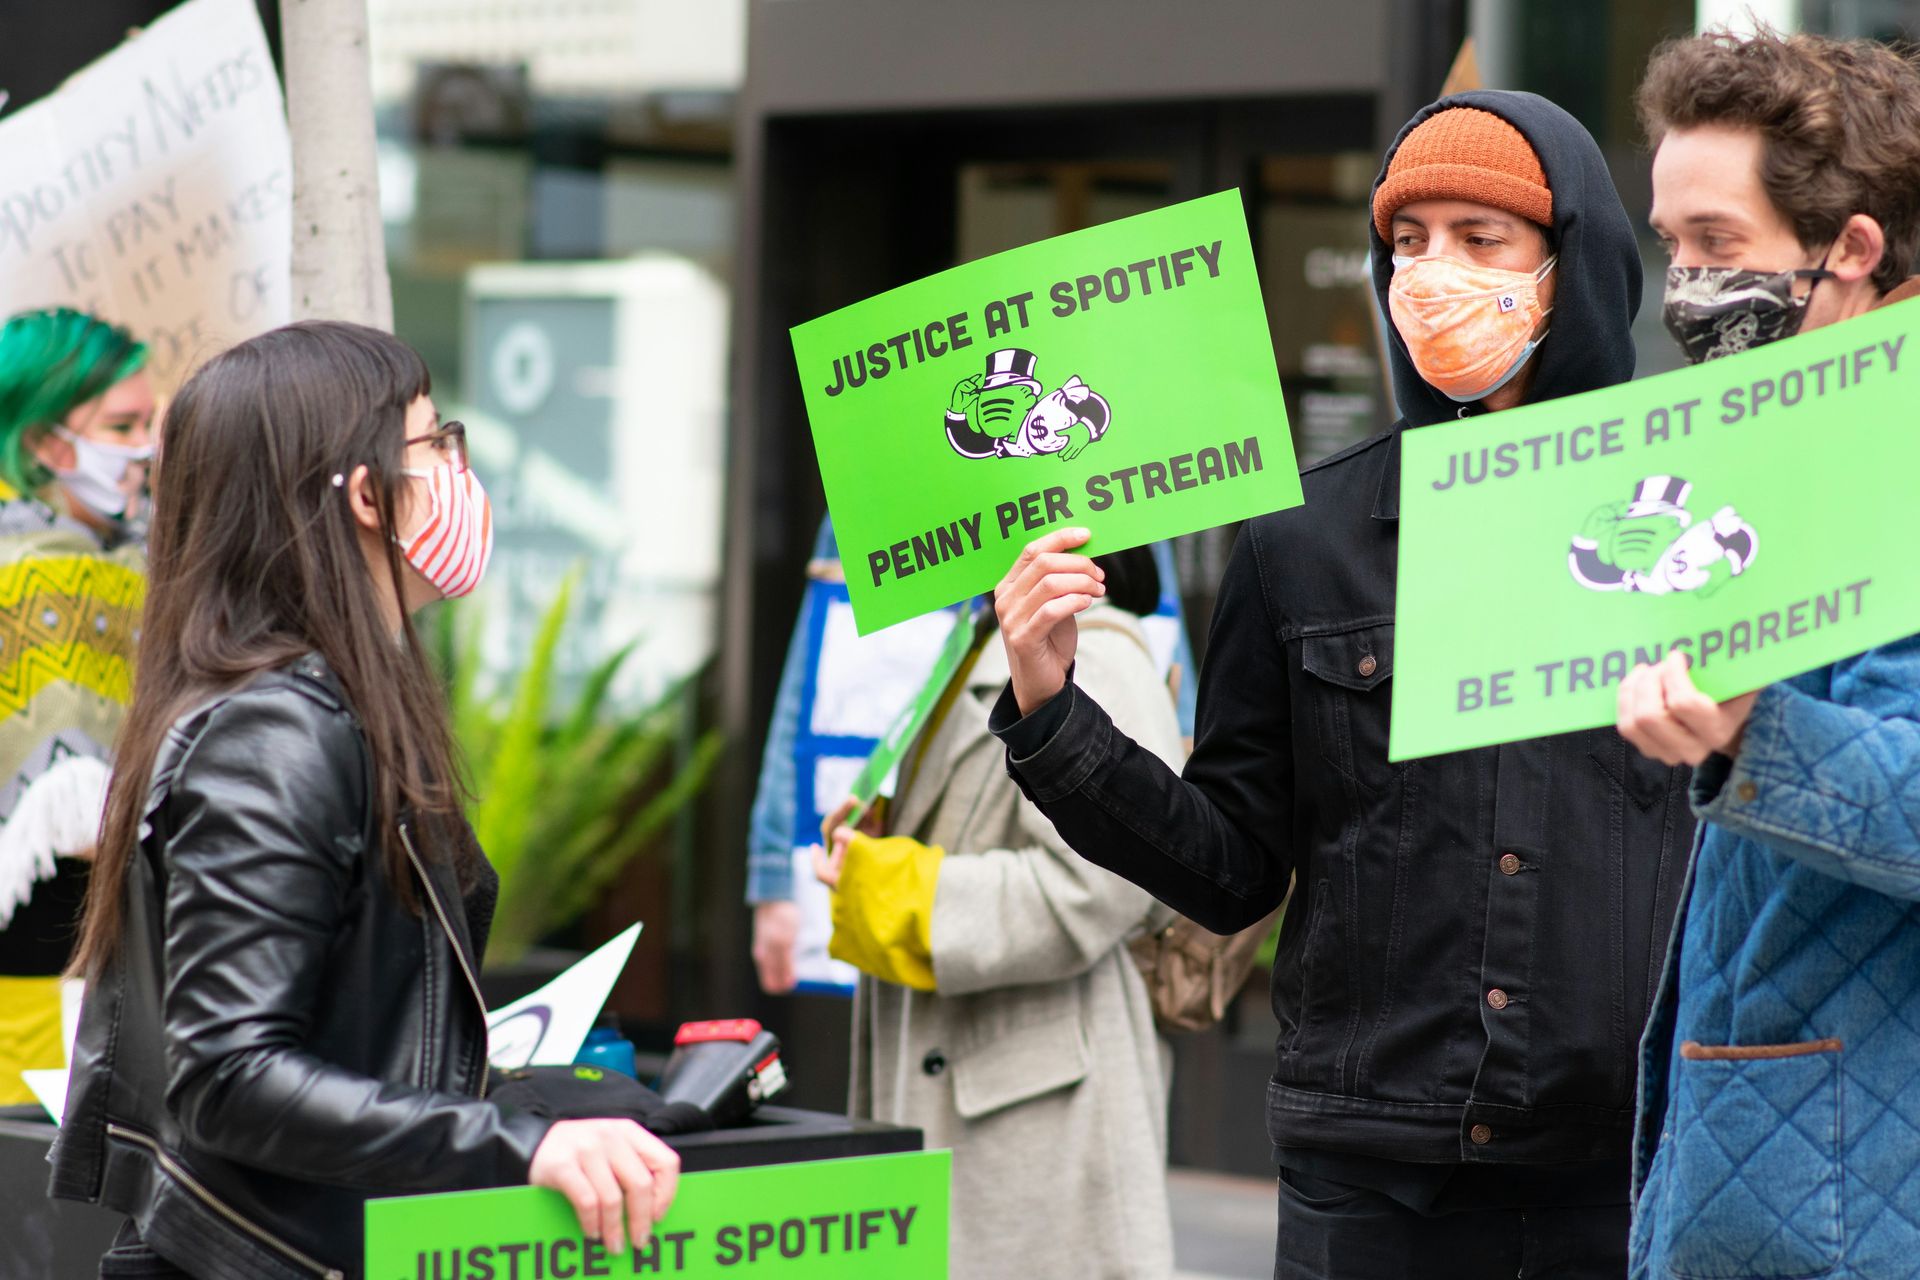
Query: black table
{"points": [[42, 1239]]}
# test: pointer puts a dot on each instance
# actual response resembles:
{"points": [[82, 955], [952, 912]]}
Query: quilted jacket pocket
{"points": [[1756, 1133]]}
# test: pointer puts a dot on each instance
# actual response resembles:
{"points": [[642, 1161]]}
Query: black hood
{"points": [[1590, 343]]}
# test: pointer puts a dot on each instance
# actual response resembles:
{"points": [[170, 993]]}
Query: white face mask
{"points": [[99, 473], [452, 546]]}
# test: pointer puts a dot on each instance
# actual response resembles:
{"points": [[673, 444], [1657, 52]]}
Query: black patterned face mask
{"points": [[1720, 311]]}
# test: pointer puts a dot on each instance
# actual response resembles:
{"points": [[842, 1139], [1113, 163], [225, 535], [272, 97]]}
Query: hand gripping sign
{"points": [[1119, 378], [865, 1218], [1753, 512]]}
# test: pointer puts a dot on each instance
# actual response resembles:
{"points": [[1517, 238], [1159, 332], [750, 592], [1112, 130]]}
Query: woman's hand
{"points": [[604, 1167], [831, 853], [1036, 603]]}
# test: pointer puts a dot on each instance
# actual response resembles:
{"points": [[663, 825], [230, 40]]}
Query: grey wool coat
{"points": [[1036, 1060]]}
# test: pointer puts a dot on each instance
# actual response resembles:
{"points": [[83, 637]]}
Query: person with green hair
{"points": [[77, 409]]}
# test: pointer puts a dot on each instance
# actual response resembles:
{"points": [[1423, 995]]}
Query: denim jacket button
{"points": [[1510, 864], [1481, 1134], [1368, 665], [1746, 791], [1497, 998]]}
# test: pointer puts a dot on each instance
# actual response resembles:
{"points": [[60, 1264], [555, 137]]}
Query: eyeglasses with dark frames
{"points": [[449, 442]]}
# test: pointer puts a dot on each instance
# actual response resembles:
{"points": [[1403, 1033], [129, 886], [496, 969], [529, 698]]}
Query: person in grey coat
{"points": [[999, 1009]]}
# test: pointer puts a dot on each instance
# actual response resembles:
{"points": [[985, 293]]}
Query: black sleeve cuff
{"points": [[1026, 736], [1710, 778]]}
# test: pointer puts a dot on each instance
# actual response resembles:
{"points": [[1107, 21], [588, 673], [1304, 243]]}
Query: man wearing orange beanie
{"points": [[1473, 938]]}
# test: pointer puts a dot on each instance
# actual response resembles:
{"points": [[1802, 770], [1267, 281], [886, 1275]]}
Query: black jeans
{"points": [[1333, 1231], [131, 1259]]}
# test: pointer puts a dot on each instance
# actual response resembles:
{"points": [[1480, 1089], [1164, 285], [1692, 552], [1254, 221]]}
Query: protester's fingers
{"points": [[1052, 587], [823, 869], [1029, 579], [1040, 568], [571, 1182], [843, 839], [664, 1162], [1051, 541], [1695, 718], [636, 1182], [1631, 699], [835, 819], [1016, 619], [1698, 714], [1643, 716], [1058, 610], [606, 1192]]}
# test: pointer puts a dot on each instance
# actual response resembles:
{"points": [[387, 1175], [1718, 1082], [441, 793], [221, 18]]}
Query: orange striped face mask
{"points": [[1468, 329], [452, 547]]}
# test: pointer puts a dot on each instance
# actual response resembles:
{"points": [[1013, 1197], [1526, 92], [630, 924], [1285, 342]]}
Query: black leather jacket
{"points": [[1474, 938], [279, 1039]]}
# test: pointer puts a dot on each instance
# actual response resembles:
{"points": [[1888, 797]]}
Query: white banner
{"points": [[154, 189]]}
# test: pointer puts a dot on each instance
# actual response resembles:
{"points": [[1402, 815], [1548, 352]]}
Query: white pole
{"points": [[339, 246]]}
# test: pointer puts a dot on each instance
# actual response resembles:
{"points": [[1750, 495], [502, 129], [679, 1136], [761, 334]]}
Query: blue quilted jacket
{"points": [[1779, 1119]]}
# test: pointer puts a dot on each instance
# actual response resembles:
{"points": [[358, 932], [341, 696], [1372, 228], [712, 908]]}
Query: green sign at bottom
{"points": [[868, 1217]]}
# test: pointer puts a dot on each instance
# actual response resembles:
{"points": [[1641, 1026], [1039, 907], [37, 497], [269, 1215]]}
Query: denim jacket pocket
{"points": [[1756, 1162], [1348, 671]]}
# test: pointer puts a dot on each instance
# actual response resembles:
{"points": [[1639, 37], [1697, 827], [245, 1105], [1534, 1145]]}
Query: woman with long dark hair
{"points": [[287, 911]]}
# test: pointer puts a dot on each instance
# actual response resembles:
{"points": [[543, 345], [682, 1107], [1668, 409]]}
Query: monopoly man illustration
{"points": [[1006, 413], [1654, 545]]}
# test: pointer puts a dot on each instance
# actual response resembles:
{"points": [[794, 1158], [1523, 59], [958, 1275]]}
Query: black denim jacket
{"points": [[1474, 939]]}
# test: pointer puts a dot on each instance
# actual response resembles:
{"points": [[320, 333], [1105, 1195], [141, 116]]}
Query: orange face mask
{"points": [[1468, 329]]}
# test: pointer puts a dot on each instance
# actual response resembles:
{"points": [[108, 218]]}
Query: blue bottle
{"points": [[607, 1049]]}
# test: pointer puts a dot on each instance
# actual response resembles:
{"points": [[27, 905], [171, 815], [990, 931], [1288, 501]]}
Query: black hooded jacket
{"points": [[1473, 939]]}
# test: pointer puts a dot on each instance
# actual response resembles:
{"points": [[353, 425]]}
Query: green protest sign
{"points": [[907, 725], [1753, 512], [1119, 378], [866, 1218]]}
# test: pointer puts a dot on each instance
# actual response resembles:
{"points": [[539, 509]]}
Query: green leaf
{"points": [[515, 778], [564, 798]]}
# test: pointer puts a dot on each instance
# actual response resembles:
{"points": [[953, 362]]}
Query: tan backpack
{"points": [[1193, 973]]}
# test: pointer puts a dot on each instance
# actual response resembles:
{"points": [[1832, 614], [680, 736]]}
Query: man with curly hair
{"points": [[1780, 1072]]}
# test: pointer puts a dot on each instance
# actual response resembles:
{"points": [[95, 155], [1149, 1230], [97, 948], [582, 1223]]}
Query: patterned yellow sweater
{"points": [[69, 623]]}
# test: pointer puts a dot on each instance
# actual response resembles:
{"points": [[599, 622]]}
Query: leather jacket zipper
{"points": [[178, 1172], [473, 983]]}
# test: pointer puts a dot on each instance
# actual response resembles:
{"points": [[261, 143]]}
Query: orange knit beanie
{"points": [[1464, 153]]}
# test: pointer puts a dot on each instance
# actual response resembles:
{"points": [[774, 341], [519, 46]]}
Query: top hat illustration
{"points": [[1011, 366], [1660, 495]]}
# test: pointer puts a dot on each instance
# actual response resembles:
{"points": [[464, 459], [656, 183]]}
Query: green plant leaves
{"points": [[564, 801]]}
